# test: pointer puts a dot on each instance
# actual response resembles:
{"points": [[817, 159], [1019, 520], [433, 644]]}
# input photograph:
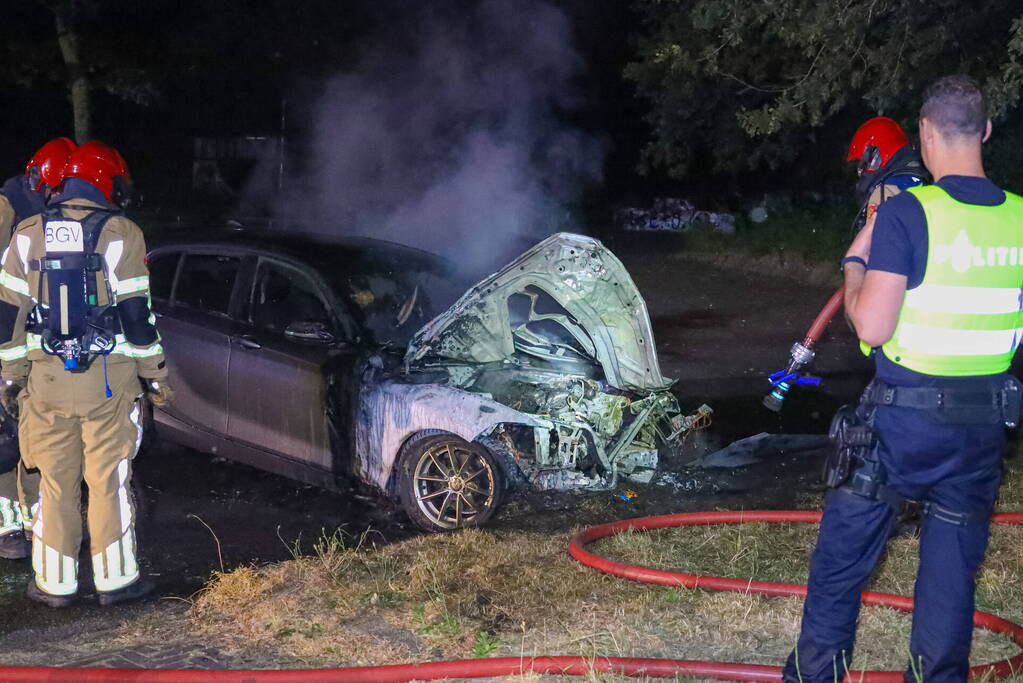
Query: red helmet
{"points": [[103, 167], [875, 142], [46, 167]]}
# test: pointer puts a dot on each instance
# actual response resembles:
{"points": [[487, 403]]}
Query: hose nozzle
{"points": [[774, 400], [801, 355]]}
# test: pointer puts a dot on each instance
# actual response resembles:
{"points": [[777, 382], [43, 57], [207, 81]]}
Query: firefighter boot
{"points": [[133, 591], [14, 546], [37, 594]]}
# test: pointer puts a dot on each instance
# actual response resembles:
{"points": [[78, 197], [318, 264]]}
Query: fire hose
{"points": [[801, 355], [573, 665]]}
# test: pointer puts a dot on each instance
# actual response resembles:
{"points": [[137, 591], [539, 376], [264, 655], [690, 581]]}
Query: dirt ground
{"points": [[719, 332]]}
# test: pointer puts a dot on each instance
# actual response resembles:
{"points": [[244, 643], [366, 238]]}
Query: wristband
{"points": [[854, 259]]}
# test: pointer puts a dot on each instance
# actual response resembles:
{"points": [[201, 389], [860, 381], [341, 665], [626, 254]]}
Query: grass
{"points": [[483, 593], [805, 243]]}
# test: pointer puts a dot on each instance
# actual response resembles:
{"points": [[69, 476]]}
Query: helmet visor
{"points": [[870, 160]]}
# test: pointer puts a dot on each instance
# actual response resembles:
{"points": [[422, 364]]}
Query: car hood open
{"points": [[566, 300]]}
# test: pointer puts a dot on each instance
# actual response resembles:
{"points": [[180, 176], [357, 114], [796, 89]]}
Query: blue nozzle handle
{"points": [[789, 378]]}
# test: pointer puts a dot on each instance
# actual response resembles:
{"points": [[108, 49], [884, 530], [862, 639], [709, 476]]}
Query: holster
{"points": [[1011, 401], [852, 438]]}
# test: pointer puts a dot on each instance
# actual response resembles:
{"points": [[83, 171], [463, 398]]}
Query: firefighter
{"points": [[25, 194], [21, 197], [77, 273], [886, 164], [933, 286]]}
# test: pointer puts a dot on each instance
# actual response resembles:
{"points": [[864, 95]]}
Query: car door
{"points": [[195, 324], [280, 346]]}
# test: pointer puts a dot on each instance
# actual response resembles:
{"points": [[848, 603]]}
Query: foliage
{"points": [[810, 233], [747, 84], [486, 644], [196, 62]]}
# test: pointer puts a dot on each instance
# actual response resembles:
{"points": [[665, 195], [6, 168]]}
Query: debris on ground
{"points": [[672, 215], [760, 447]]}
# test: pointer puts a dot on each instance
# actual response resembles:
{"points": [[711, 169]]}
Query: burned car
{"points": [[333, 361]]}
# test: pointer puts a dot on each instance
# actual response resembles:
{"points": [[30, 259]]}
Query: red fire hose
{"points": [[575, 666], [743, 672], [824, 317], [802, 354]]}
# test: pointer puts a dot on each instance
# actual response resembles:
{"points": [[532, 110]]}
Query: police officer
{"points": [[78, 273], [934, 287], [21, 197]]}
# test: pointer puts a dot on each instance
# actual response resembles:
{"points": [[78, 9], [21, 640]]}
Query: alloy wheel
{"points": [[453, 483]]}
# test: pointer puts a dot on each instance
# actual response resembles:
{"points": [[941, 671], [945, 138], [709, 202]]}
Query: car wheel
{"points": [[446, 482]]}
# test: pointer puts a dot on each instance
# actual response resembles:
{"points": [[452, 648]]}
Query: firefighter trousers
{"points": [[70, 430], [19, 499]]}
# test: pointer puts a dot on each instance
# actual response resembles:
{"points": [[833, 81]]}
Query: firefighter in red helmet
{"points": [[885, 162], [25, 195], [21, 197], [77, 273]]}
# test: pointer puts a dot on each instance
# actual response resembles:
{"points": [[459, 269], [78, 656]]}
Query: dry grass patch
{"points": [[793, 266], [482, 593], [452, 595]]}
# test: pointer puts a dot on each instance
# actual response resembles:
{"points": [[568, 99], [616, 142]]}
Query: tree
{"points": [[66, 15], [748, 84], [92, 39]]}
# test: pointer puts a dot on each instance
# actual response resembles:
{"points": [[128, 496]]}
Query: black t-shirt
{"points": [[899, 245]]}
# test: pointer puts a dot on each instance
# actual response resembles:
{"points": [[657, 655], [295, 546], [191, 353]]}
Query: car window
{"points": [[283, 295], [394, 298], [206, 282], [162, 269]]}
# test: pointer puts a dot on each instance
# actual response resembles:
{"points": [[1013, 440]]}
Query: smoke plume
{"points": [[449, 134]]}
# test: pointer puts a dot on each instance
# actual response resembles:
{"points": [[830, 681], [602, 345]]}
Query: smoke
{"points": [[449, 134]]}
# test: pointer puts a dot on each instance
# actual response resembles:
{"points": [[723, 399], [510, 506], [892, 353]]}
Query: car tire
{"points": [[447, 483], [514, 479]]}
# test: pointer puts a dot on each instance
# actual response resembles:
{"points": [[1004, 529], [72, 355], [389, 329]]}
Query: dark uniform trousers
{"points": [[955, 466]]}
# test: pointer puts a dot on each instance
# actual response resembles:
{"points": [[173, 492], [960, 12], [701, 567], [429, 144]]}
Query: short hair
{"points": [[955, 105]]}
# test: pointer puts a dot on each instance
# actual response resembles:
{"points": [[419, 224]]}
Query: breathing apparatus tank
{"points": [[79, 321]]}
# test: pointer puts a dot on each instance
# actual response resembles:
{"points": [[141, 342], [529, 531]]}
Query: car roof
{"points": [[319, 250]]}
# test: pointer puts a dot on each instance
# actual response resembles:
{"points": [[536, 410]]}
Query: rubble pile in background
{"points": [[672, 215]]}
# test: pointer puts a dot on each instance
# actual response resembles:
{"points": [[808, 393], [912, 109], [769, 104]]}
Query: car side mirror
{"points": [[306, 331]]}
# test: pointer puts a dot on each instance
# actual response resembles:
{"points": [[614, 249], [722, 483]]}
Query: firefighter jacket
{"points": [[7, 219], [122, 246], [17, 202]]}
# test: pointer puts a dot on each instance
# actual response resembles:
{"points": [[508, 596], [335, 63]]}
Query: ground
{"points": [[719, 329]]}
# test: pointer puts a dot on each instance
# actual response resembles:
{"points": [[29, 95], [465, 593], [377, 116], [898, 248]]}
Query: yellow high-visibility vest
{"points": [[965, 317]]}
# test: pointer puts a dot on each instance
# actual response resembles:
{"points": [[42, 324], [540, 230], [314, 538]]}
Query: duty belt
{"points": [[999, 404]]}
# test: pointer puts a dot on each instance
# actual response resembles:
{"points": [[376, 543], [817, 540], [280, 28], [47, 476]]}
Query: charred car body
{"points": [[325, 361]]}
